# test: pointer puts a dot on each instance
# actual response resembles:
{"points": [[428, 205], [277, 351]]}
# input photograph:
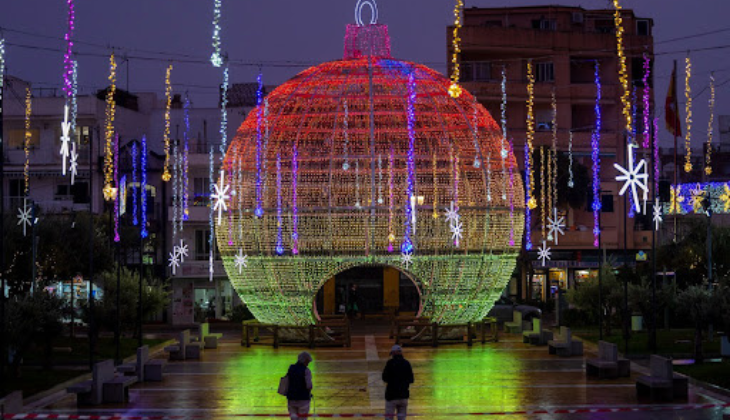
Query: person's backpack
{"points": [[283, 385]]}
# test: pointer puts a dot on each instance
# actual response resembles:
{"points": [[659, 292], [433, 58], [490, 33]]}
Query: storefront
{"points": [[545, 282]]}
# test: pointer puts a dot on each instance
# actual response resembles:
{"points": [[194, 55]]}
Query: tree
{"points": [[154, 299], [697, 303], [586, 297], [31, 319]]}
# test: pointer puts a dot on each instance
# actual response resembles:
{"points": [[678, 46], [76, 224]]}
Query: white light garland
{"points": [[216, 59], [633, 176], [571, 182]]}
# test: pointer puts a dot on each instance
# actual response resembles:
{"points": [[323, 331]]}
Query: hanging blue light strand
{"points": [[407, 245], [259, 212], [135, 187], [279, 219], [224, 114], [143, 187], [596, 157]]}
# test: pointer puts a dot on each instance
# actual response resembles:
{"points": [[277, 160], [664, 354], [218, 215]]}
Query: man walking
{"points": [[398, 375], [299, 393]]}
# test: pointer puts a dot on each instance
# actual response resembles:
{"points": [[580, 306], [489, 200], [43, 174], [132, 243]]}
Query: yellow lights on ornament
{"points": [[166, 136], [623, 72], [109, 131], [531, 201], [688, 115], [455, 89]]}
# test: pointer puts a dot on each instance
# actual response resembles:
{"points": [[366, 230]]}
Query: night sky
{"points": [[297, 33]]}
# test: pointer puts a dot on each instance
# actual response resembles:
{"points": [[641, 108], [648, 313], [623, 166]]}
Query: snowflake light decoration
{"points": [[556, 226], [25, 215], [457, 232], [406, 258], [220, 196], [725, 198], [657, 214], [65, 139], [174, 262], [675, 200], [452, 214], [697, 197], [543, 253], [240, 261], [74, 164], [634, 177], [181, 250]]}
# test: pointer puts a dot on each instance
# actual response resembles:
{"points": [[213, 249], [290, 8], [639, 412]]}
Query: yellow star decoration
{"points": [[675, 200], [697, 197], [725, 198]]}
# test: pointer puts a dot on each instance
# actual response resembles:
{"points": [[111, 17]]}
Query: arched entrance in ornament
{"points": [[382, 291]]}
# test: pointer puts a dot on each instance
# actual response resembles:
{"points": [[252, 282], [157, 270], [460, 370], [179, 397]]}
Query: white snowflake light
{"points": [[457, 231], [543, 253], [556, 226], [74, 163], [65, 139], [452, 214], [240, 261], [181, 250], [657, 214], [174, 261], [634, 177], [406, 258], [220, 196], [25, 215]]}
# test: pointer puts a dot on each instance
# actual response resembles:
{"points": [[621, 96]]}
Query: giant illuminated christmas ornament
{"points": [[310, 226]]}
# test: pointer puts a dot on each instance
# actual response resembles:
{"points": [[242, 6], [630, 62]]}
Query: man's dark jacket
{"points": [[398, 375]]}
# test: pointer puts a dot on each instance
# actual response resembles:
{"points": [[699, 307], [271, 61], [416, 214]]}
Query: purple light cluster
{"points": [[279, 218], [259, 212], [407, 245], [143, 192], [119, 189], [135, 219], [596, 157], [186, 162], [294, 208], [647, 92], [528, 212], [68, 63]]}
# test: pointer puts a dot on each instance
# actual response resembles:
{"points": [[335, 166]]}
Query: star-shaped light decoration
{"points": [[65, 138], [220, 196], [543, 253], [74, 163], [657, 214], [634, 177], [452, 214], [457, 231], [725, 198], [174, 261], [556, 225], [25, 214], [182, 250], [675, 200], [406, 258], [240, 261], [697, 197]]}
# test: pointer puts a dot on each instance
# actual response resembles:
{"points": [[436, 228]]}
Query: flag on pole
{"points": [[671, 107]]}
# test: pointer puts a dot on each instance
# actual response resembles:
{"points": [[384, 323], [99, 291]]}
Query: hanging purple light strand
{"points": [[596, 157], [657, 162], [647, 93], [279, 218], [119, 189], [68, 64], [135, 188], [259, 212], [528, 212], [143, 187], [511, 201], [186, 161], [294, 208], [407, 245]]}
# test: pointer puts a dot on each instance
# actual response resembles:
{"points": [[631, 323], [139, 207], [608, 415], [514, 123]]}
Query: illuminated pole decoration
{"points": [[216, 59], [166, 135], [596, 158], [634, 177], [529, 168], [117, 190], [455, 89], [407, 245], [259, 211], [623, 72], [294, 203], [688, 115], [135, 211], [111, 109], [710, 127], [646, 111], [143, 188]]}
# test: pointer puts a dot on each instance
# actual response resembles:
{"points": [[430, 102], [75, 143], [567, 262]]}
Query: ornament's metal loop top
{"points": [[358, 11]]}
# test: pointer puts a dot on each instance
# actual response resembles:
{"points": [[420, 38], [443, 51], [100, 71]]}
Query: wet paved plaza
{"points": [[451, 381]]}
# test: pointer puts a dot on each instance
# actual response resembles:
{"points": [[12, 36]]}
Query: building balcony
{"points": [[195, 213], [199, 268]]}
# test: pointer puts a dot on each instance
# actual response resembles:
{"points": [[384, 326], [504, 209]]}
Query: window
{"points": [[605, 26], [201, 191], [545, 24], [202, 246], [63, 192], [492, 23], [544, 72], [607, 203], [643, 27], [80, 192], [83, 134], [476, 71], [16, 138]]}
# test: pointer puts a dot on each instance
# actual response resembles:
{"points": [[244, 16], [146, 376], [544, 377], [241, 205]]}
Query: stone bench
{"points": [[12, 403], [116, 390], [185, 348], [537, 336], [153, 370], [565, 346], [662, 384], [209, 340], [91, 392], [608, 365], [143, 367], [516, 325]]}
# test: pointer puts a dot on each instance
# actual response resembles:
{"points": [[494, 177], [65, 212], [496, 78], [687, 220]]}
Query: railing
{"points": [[330, 331]]}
